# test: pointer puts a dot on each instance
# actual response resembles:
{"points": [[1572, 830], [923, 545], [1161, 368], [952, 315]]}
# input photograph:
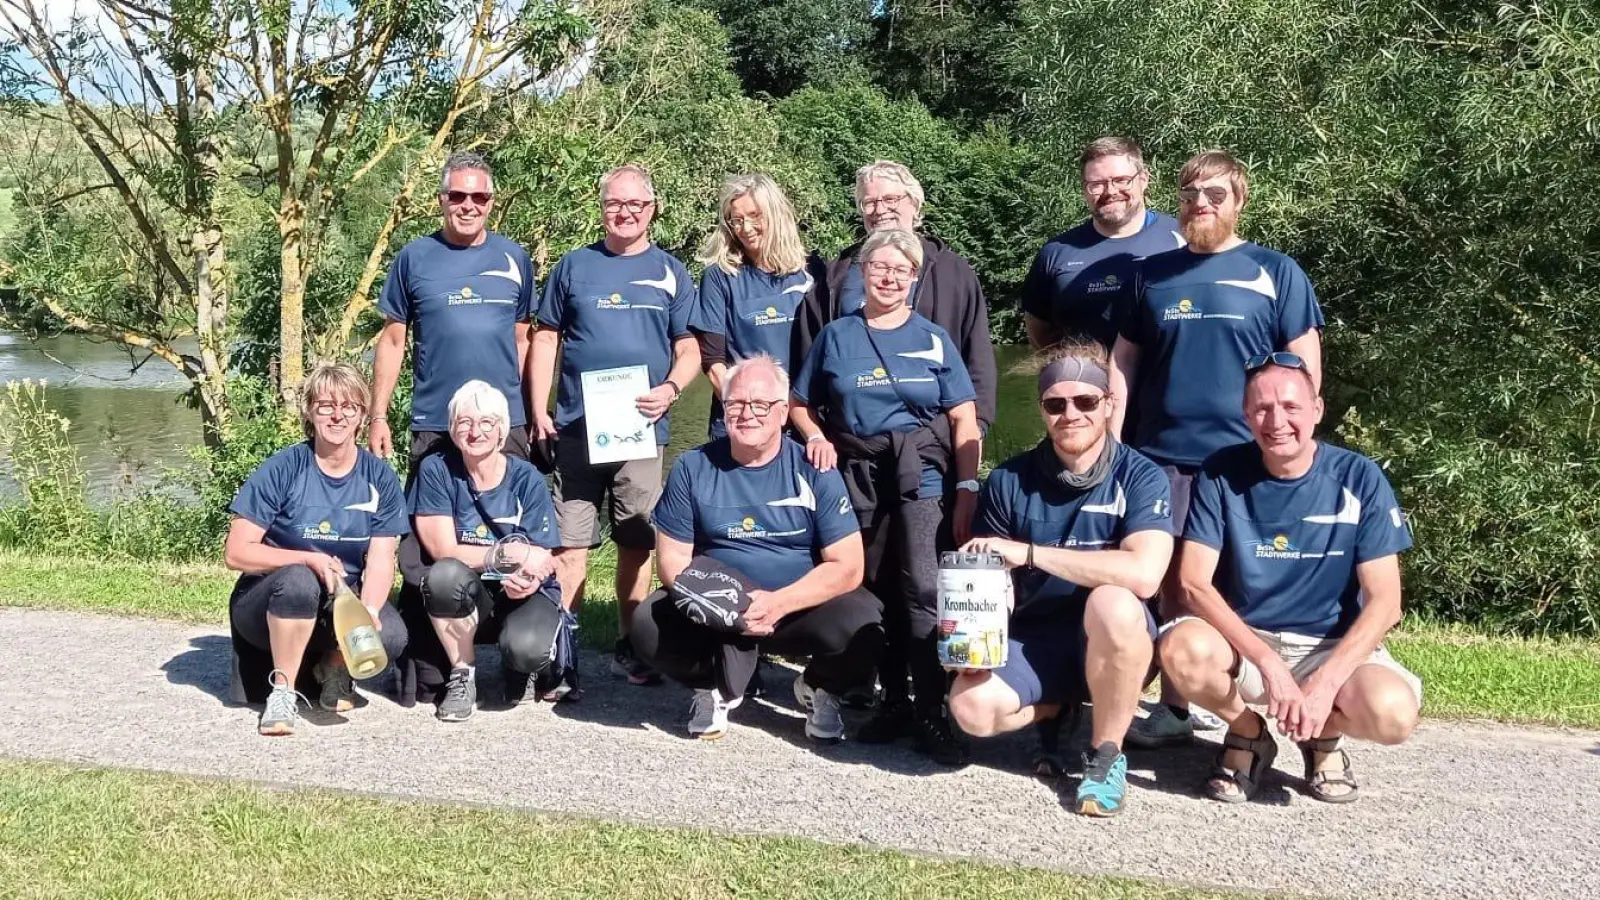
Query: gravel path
{"points": [[1463, 811]]}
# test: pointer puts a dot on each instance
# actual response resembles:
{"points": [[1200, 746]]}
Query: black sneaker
{"points": [[862, 696], [626, 663], [460, 696], [936, 739], [890, 723]]}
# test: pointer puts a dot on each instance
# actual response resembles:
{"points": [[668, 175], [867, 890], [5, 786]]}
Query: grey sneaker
{"points": [[803, 693], [282, 712], [460, 696], [338, 690], [1160, 729], [824, 724], [708, 714]]}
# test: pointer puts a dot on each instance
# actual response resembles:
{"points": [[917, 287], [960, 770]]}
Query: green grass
{"points": [[71, 832], [1466, 674]]}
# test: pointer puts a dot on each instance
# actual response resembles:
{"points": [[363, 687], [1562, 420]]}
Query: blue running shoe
{"points": [[1105, 782]]}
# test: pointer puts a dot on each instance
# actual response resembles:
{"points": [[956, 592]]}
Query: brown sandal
{"points": [[1263, 751], [1319, 781]]}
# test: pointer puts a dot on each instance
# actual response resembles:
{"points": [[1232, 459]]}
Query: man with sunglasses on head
{"points": [[621, 301], [1085, 524], [788, 537], [1291, 567], [468, 292], [1083, 275], [1195, 316]]}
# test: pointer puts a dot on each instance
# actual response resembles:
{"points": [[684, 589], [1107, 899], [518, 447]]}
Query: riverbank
{"points": [[1468, 674]]}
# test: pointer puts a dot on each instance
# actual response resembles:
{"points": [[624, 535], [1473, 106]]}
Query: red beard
{"points": [[1208, 234]]}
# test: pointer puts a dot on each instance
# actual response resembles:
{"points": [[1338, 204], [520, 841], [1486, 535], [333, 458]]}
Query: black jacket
{"points": [[948, 294]]}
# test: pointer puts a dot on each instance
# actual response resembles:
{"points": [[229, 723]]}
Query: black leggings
{"points": [[295, 592], [903, 568], [843, 637]]}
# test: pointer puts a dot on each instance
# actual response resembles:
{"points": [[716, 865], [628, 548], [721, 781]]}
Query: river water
{"points": [[131, 426]]}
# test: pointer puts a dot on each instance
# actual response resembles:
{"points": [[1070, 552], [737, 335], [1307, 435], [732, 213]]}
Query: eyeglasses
{"points": [[479, 198], [1121, 183], [1216, 193], [884, 270], [738, 223], [1086, 403], [328, 408], [891, 201], [485, 425], [633, 206], [757, 408], [1280, 358]]}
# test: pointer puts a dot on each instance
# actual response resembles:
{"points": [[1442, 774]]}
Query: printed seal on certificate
{"points": [[617, 431]]}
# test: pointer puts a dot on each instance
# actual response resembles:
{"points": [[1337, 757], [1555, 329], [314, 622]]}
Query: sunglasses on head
{"points": [[1280, 358], [456, 198], [1086, 403]]}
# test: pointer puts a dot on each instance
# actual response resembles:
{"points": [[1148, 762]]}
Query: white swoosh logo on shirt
{"points": [[933, 354], [805, 499], [1181, 242], [370, 506], [803, 288], [668, 282], [511, 520], [1349, 512], [510, 272], [1117, 507], [1262, 284]]}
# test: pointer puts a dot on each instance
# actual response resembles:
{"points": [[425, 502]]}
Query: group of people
{"points": [[1177, 516]]}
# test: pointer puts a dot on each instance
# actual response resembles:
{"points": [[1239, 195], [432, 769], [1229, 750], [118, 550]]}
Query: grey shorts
{"points": [[581, 489]]}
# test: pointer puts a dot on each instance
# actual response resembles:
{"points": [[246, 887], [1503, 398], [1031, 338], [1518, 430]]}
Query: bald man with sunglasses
{"points": [[1085, 524]]}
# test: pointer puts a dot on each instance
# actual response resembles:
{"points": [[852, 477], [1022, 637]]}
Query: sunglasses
{"points": [[1085, 403], [1280, 358], [456, 198], [1215, 193]]}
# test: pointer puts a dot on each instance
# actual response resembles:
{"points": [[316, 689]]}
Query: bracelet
{"points": [[816, 437], [379, 419], [1029, 563], [676, 391]]}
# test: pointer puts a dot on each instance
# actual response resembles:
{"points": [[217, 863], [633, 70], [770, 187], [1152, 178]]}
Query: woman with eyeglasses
{"points": [[313, 515], [458, 589], [757, 276], [884, 395]]}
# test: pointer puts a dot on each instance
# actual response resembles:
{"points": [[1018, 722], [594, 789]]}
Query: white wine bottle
{"points": [[358, 636]]}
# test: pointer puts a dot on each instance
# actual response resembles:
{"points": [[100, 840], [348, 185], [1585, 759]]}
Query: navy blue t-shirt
{"points": [[519, 504], [1022, 500], [463, 304], [303, 508], [770, 522], [1289, 547], [1196, 318], [1081, 278], [614, 311], [845, 378], [754, 311]]}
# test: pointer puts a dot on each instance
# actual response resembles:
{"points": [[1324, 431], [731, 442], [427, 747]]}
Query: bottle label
{"points": [[362, 643]]}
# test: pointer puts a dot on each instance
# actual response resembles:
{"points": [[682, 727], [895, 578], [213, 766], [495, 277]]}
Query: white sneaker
{"points": [[802, 692], [708, 715], [1203, 720], [1160, 729], [824, 724]]}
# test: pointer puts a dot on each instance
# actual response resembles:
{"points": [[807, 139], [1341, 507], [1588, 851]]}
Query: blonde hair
{"points": [[1211, 163], [336, 381], [888, 170], [784, 254], [904, 241]]}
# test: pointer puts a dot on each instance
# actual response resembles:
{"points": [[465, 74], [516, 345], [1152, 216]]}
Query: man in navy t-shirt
{"points": [[1082, 276], [1196, 315], [468, 292], [1086, 524], [1291, 565], [752, 502], [622, 301]]}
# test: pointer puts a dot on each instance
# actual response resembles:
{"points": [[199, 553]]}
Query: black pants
{"points": [[292, 592], [903, 568], [842, 636]]}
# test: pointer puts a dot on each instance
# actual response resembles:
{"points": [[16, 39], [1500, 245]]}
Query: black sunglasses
{"points": [[1056, 406], [456, 198], [1280, 358]]}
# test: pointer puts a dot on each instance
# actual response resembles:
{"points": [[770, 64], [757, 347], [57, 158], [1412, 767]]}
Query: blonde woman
{"points": [[312, 515], [758, 274]]}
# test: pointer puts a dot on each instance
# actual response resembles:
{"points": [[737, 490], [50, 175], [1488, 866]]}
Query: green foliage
{"points": [[55, 506], [781, 47]]}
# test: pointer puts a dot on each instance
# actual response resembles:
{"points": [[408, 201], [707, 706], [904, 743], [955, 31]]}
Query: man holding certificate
{"points": [[617, 311]]}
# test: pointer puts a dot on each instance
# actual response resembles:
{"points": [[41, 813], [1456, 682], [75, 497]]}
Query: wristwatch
{"points": [[971, 484]]}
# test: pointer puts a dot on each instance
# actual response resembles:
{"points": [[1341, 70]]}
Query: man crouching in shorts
{"points": [[1086, 523], [1291, 564]]}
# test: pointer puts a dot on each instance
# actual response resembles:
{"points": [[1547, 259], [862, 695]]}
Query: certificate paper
{"points": [[617, 431]]}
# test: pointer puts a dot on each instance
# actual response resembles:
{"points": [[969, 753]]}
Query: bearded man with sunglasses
{"points": [[468, 292], [1085, 524]]}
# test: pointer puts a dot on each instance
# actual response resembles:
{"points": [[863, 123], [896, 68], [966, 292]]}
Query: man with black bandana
{"points": [[1086, 525]]}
